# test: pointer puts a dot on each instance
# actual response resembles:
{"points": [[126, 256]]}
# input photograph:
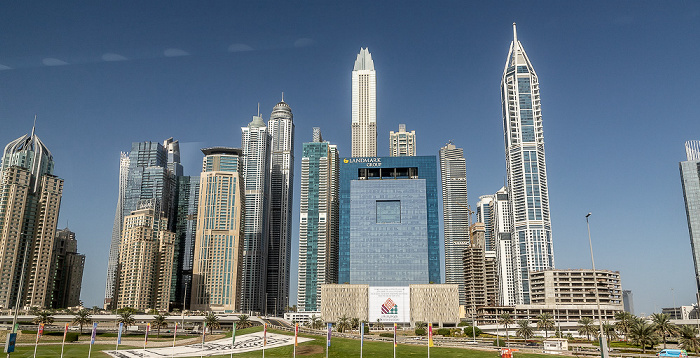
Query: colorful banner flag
{"points": [[39, 332], [265, 335], [296, 334], [204, 332], [94, 333], [175, 333], [119, 334], [145, 338], [330, 327], [394, 334], [233, 335], [430, 335], [65, 332], [362, 334]]}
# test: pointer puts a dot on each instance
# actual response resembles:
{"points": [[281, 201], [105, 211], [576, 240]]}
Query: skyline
{"points": [[615, 134]]}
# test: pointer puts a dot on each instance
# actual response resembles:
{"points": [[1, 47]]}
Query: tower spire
{"points": [[515, 35], [283, 96], [33, 126]]}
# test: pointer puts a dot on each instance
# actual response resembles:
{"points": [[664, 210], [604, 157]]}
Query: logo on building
{"points": [[389, 307], [346, 161]]}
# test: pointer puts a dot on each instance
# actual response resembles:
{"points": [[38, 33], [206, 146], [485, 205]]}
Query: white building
{"points": [[364, 106], [455, 214], [531, 230], [402, 143]]}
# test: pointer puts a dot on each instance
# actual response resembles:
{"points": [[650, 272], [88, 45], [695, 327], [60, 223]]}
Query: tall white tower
{"points": [[527, 174], [364, 106]]}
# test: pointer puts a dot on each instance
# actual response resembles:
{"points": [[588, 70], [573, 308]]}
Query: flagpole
{"points": [[65, 331], [394, 340], [233, 338], [92, 337], [204, 337], [362, 337], [264, 338], [174, 337], [119, 335], [38, 334], [296, 335]]}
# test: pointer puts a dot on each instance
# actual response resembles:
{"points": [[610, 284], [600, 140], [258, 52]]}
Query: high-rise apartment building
{"points": [[318, 225], [402, 143], [364, 106], [389, 231], [218, 253], [690, 181], [30, 198], [480, 277], [500, 233], [69, 270], [483, 215], [526, 171], [281, 128], [455, 214], [255, 146], [186, 233], [146, 251], [147, 175]]}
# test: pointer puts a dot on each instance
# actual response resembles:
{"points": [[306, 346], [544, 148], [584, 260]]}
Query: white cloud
{"points": [[175, 52], [239, 48], [3, 67], [50, 61], [113, 57], [304, 42]]}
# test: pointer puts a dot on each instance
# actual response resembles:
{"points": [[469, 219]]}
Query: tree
{"points": [[355, 322], [421, 325], [585, 326], [643, 334], [159, 322], [127, 318], [545, 322], [524, 330], [316, 322], [663, 326], [505, 319], [610, 332], [624, 322], [343, 324], [43, 317], [81, 318], [243, 322], [689, 338], [211, 321]]}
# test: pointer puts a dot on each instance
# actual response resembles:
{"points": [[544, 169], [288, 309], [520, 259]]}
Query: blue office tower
{"points": [[389, 231]]}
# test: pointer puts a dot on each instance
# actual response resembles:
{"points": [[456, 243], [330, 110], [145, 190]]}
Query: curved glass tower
{"points": [[527, 174]]}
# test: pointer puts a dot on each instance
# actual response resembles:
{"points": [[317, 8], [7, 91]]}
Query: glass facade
{"points": [[389, 231], [690, 180]]}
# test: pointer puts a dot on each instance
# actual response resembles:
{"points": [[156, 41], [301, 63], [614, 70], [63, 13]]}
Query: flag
{"points": [[204, 332], [394, 334], [175, 333], [233, 335], [94, 333], [265, 335], [330, 327], [148, 328], [119, 334], [296, 334], [362, 334], [430, 335], [39, 332], [65, 332]]}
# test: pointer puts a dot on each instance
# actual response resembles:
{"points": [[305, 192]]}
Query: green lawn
{"points": [[340, 347]]}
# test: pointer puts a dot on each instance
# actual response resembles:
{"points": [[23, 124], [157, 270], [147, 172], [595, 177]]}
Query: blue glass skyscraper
{"points": [[389, 231]]}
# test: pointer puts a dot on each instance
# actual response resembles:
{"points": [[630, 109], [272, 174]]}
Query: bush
{"points": [[366, 328], [468, 331], [462, 324], [388, 335], [420, 332], [499, 342], [72, 336], [444, 332]]}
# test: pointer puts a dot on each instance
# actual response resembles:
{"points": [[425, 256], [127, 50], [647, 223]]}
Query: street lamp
{"points": [[602, 341], [19, 291]]}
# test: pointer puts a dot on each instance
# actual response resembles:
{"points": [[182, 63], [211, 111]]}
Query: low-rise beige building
{"points": [[575, 287]]}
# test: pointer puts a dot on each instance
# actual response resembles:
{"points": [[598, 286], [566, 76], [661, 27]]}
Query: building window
{"points": [[388, 211]]}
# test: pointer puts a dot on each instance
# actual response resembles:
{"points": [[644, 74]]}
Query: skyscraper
{"points": [[500, 233], [218, 253], [69, 270], [281, 128], [30, 198], [526, 170], [147, 174], [255, 146], [483, 215], [690, 180], [455, 214], [186, 233], [318, 226], [402, 143], [364, 106]]}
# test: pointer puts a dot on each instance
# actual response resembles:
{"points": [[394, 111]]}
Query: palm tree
{"points": [[585, 326], [624, 322], [421, 325], [81, 318], [643, 334], [159, 322], [663, 326], [43, 317], [545, 322], [524, 330], [610, 332], [505, 319], [127, 318], [355, 322], [211, 321], [343, 323], [316, 322], [689, 338], [243, 321]]}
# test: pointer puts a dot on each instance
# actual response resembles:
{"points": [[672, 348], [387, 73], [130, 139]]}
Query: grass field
{"points": [[340, 347]]}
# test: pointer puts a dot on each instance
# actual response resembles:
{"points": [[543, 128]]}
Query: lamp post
{"points": [[603, 342], [19, 290]]}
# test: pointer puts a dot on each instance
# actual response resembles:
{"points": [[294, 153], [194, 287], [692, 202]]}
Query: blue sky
{"points": [[618, 87]]}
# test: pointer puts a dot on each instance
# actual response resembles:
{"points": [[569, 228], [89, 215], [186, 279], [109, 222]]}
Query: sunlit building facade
{"points": [[364, 106]]}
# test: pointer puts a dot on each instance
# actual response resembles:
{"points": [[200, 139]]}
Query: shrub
{"points": [[72, 336], [468, 331], [499, 342], [420, 332], [366, 328], [444, 332], [462, 324], [385, 334]]}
